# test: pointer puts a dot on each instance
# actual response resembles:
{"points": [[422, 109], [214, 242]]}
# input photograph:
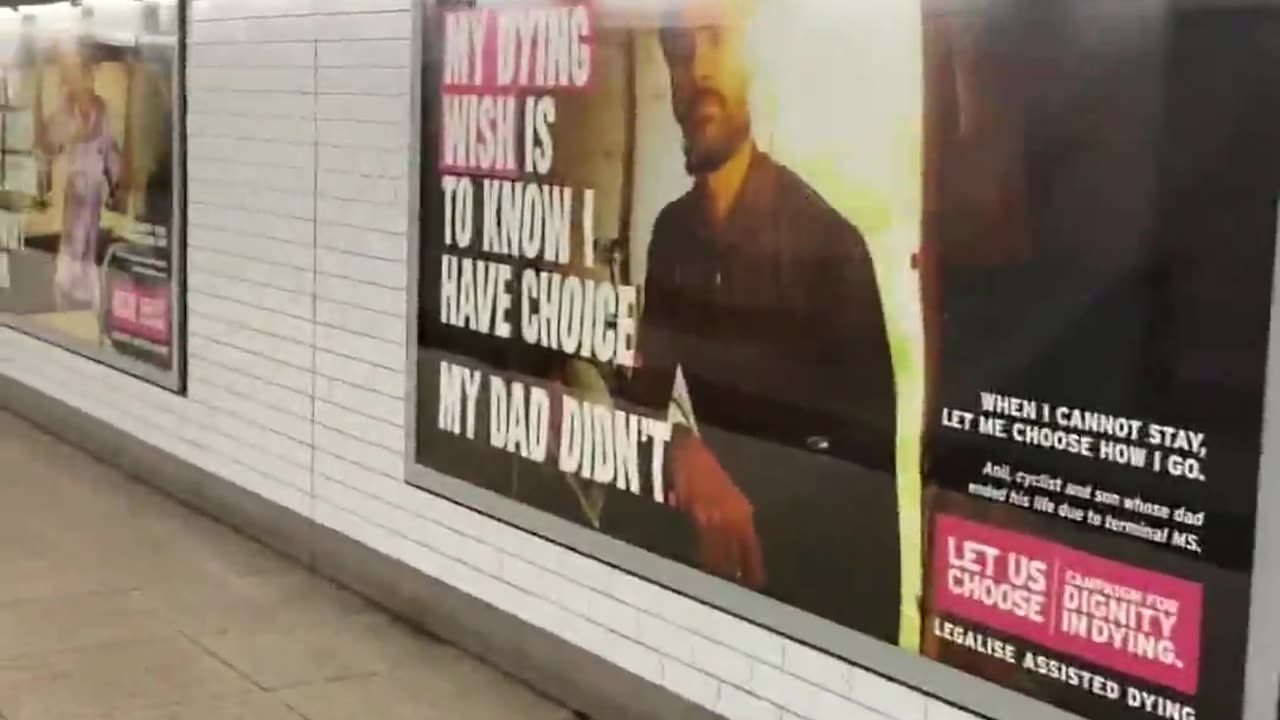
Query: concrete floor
{"points": [[117, 603]]}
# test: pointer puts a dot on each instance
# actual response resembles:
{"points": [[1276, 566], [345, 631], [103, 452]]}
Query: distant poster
{"points": [[943, 322], [90, 229]]}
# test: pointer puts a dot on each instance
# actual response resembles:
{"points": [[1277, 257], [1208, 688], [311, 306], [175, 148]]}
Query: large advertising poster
{"points": [[944, 322], [90, 248]]}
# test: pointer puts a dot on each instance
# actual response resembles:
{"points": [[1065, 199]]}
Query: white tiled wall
{"points": [[298, 190]]}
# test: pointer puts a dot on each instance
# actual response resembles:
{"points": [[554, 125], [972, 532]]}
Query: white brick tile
{"points": [[651, 598], [280, 277], [384, 273], [390, 301], [337, 469], [218, 31], [253, 223], [252, 294], [456, 545], [585, 570], [744, 636], [393, 136], [490, 589], [361, 347], [268, 346], [357, 372], [567, 594], [267, 55], [384, 217], [360, 241], [250, 479], [703, 619], [691, 684], [432, 563], [716, 659], [367, 455], [359, 161], [249, 364], [240, 315], [366, 322], [349, 497], [360, 426], [735, 704], [302, 80], [248, 127], [511, 539], [817, 667], [670, 640], [612, 614], [365, 53], [480, 585], [370, 108], [296, 430], [360, 529], [887, 696], [252, 152], [227, 9], [356, 528], [365, 402], [829, 706], [364, 81], [280, 29], [634, 657], [417, 503], [252, 104], [941, 711], [268, 393], [253, 177], [223, 434], [355, 500], [241, 245], [364, 26], [180, 447], [264, 452], [534, 610], [531, 578], [364, 6], [350, 186], [287, 204], [460, 518], [586, 635], [784, 689]]}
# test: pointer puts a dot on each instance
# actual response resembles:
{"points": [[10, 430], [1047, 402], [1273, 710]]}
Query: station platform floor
{"points": [[117, 603]]}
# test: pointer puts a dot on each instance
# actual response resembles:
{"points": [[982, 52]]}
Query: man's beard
{"points": [[709, 145]]}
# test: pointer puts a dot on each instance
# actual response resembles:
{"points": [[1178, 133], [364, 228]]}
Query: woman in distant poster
{"points": [[81, 130]]}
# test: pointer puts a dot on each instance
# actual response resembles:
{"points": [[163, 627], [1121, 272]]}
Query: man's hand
{"points": [[728, 544]]}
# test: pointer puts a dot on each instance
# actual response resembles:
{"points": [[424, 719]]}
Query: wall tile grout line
{"points": [[315, 277]]}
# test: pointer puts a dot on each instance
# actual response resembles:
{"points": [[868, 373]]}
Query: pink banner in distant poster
{"points": [[1135, 621], [141, 310]]}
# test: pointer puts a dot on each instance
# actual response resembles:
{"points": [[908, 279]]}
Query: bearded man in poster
{"points": [[763, 322]]}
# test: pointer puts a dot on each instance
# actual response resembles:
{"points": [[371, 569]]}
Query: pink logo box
{"points": [[1135, 621]]}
